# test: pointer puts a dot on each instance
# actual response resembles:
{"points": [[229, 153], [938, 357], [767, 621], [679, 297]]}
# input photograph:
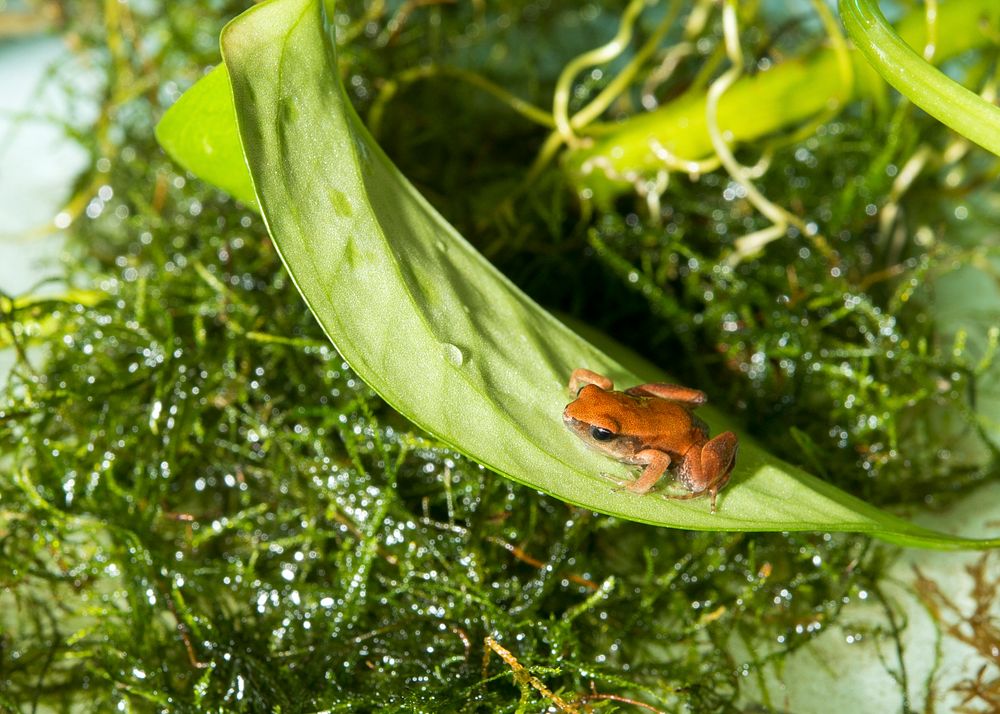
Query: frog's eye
{"points": [[601, 434]]}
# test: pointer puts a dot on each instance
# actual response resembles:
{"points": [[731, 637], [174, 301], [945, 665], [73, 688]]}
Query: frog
{"points": [[653, 426]]}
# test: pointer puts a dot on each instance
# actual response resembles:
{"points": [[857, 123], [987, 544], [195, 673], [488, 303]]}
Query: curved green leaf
{"points": [[923, 83], [199, 131], [438, 332]]}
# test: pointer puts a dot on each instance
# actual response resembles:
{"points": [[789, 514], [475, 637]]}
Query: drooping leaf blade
{"points": [[438, 332]]}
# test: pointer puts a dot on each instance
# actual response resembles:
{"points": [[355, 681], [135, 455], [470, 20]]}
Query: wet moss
{"points": [[209, 511]]}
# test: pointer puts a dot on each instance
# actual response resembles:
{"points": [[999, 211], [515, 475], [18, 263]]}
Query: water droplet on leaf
{"points": [[453, 354]]}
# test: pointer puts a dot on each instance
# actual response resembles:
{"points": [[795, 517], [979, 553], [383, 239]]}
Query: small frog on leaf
{"points": [[651, 425]]}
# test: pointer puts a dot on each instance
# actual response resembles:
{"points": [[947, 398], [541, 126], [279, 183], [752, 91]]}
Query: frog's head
{"points": [[596, 417]]}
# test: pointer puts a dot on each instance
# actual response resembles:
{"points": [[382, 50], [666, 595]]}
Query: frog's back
{"points": [[669, 426]]}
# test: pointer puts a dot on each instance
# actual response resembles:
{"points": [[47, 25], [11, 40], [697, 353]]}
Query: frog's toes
{"points": [[620, 485]]}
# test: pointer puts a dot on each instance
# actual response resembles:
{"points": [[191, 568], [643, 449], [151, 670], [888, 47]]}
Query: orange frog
{"points": [[651, 425]]}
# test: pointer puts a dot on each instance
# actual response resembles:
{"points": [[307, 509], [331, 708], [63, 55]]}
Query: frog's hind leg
{"points": [[673, 392], [708, 469], [718, 457]]}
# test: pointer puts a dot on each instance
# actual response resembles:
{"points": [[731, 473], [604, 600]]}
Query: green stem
{"points": [[762, 104], [922, 83]]}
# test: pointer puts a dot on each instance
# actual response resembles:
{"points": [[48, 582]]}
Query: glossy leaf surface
{"points": [[432, 326]]}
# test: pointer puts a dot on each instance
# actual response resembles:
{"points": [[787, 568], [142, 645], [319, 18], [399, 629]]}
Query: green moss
{"points": [[794, 333], [208, 511]]}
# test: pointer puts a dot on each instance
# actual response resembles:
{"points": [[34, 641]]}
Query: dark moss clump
{"points": [[208, 510]]}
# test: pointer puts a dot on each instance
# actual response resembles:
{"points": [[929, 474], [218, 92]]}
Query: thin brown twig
{"points": [[526, 557], [594, 695], [185, 636], [523, 676]]}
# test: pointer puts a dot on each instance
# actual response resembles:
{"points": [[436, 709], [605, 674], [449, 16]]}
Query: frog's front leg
{"points": [[582, 377], [656, 463], [709, 468]]}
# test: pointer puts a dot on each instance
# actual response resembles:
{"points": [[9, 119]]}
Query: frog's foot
{"points": [[582, 377], [621, 485], [684, 496]]}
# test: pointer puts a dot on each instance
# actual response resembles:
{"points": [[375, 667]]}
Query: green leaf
{"points": [[199, 132], [435, 329], [923, 83]]}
